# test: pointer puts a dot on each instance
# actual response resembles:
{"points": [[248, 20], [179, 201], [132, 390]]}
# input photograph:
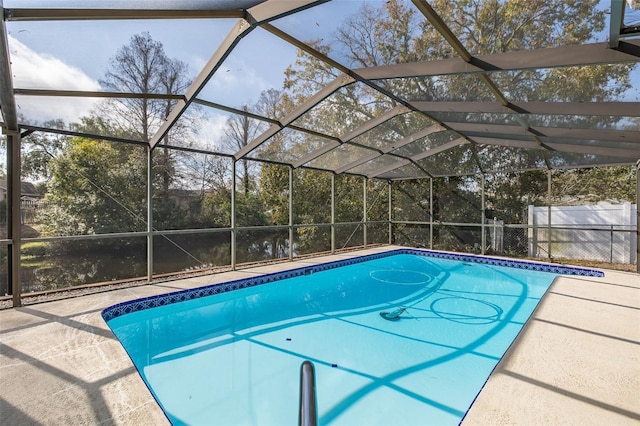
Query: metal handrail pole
{"points": [[308, 410]]}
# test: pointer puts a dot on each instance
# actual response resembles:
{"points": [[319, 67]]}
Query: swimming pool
{"points": [[231, 353]]}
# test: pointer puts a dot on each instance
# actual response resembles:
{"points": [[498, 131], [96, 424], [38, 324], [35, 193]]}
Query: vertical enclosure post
{"points": [[483, 240], [431, 213], [290, 213], [364, 211], [638, 217], [149, 214], [13, 215], [549, 214], [333, 213], [389, 212], [233, 214]]}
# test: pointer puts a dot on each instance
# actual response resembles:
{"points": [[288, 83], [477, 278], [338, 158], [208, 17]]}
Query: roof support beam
{"points": [[596, 150], [577, 147], [30, 129], [234, 111], [442, 28], [621, 109], [271, 10], [358, 162], [57, 14], [95, 94], [552, 57], [481, 129], [261, 11], [260, 118], [436, 128], [315, 154], [508, 142]]}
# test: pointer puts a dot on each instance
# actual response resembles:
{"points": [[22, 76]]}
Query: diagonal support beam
{"points": [[263, 12], [239, 30], [440, 26], [358, 162], [315, 154], [301, 109], [369, 125], [271, 10], [399, 144], [616, 22], [387, 169], [439, 149], [422, 155], [393, 112]]}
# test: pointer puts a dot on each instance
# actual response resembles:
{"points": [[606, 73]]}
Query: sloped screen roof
{"points": [[385, 89]]}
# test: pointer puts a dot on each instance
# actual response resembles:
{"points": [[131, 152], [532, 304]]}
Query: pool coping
{"points": [[155, 301]]}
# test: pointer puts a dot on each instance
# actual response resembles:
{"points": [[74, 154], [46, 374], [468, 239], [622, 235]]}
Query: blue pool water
{"points": [[230, 354]]}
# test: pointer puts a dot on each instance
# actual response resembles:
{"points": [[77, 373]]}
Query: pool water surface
{"points": [[230, 354]]}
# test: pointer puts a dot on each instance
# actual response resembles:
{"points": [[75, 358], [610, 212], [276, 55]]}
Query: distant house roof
{"points": [[27, 189]]}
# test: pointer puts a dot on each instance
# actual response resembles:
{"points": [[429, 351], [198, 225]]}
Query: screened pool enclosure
{"points": [[145, 139]]}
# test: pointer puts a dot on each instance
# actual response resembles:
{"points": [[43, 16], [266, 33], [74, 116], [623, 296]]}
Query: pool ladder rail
{"points": [[308, 409]]}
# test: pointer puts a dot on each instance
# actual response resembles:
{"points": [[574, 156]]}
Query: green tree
{"points": [[94, 188], [613, 184], [39, 148]]}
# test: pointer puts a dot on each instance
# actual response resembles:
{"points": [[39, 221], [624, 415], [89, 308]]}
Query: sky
{"points": [[74, 55]]}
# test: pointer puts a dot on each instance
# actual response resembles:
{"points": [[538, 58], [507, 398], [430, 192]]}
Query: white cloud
{"points": [[33, 70], [235, 83], [210, 133]]}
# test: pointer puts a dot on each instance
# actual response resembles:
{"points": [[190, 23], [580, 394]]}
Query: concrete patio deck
{"points": [[577, 361]]}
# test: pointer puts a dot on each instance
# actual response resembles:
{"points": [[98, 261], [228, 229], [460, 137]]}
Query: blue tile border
{"points": [[183, 295]]}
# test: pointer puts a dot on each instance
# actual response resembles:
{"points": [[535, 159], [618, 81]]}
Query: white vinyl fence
{"points": [[603, 232]]}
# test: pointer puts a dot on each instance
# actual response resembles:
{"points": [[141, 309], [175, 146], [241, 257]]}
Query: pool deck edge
{"points": [[576, 361]]}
